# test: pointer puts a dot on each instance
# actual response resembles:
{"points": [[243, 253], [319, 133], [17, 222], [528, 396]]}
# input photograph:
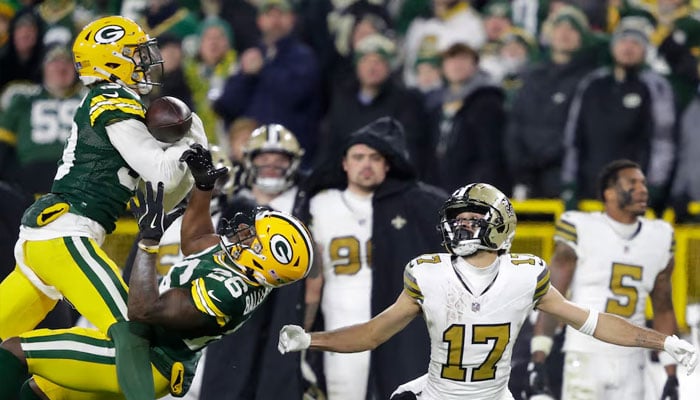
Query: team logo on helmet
{"points": [[281, 249], [109, 34]]}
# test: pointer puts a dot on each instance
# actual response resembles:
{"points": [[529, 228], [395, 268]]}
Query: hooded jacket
{"points": [[405, 213]]}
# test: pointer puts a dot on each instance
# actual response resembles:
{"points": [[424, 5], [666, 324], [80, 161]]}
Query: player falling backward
{"points": [[474, 300]]}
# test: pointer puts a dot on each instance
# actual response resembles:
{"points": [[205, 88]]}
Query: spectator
{"points": [[272, 156], [22, 58], [518, 50], [621, 111], [278, 80], [497, 16], [428, 72], [372, 218], [686, 185], [207, 72], [534, 136], [167, 16], [454, 21], [373, 94], [35, 126], [467, 128]]}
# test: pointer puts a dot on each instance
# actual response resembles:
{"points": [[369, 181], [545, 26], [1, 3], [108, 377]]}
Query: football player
{"points": [[474, 300], [611, 261], [211, 293], [108, 150]]}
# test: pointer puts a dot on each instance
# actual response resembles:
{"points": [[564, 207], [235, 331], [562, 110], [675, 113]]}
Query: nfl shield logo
{"points": [[476, 307]]}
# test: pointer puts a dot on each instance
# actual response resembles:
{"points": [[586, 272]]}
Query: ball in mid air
{"points": [[168, 119]]}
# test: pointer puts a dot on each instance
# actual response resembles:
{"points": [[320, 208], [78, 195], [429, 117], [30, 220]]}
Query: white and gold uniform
{"points": [[615, 272], [473, 322], [342, 226]]}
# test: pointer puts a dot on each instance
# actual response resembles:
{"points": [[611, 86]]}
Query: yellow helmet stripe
{"points": [[300, 228]]}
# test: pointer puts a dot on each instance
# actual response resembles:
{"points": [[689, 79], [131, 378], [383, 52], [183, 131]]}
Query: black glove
{"points": [[538, 380], [149, 213], [670, 391], [202, 168]]}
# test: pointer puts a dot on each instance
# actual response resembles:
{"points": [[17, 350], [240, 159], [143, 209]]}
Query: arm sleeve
{"points": [[142, 152]]}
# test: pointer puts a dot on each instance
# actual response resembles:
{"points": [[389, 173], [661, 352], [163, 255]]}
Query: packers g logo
{"points": [[281, 249], [109, 34]]}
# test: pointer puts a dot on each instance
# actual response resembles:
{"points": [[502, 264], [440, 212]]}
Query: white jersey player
{"points": [[342, 230], [474, 301], [612, 261]]}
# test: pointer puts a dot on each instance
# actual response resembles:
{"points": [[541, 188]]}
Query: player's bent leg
{"points": [[346, 375], [23, 306], [84, 274], [76, 364]]}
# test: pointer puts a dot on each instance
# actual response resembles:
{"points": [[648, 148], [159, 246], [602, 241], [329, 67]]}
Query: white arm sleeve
{"points": [[196, 133], [143, 153]]}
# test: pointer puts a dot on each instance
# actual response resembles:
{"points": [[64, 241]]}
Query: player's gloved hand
{"points": [[683, 352], [293, 338], [538, 380], [670, 391], [152, 220], [202, 168]]}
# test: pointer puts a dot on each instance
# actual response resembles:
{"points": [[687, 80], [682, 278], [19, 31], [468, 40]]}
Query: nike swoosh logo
{"points": [[153, 223], [111, 94], [211, 294]]}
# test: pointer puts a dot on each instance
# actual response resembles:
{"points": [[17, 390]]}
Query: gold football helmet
{"points": [[494, 231], [273, 138], [116, 49], [275, 250]]}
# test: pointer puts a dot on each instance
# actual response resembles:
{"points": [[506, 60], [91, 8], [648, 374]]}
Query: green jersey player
{"points": [[212, 292], [109, 149]]}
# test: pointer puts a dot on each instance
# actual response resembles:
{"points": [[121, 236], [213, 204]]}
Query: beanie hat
{"points": [[637, 28], [377, 44]]}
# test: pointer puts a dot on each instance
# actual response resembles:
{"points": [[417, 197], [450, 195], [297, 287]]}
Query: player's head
{"points": [[622, 184], [272, 156], [477, 217], [116, 49], [273, 249]]}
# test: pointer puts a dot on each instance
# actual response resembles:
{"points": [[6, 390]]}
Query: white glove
{"points": [[683, 352], [293, 338]]}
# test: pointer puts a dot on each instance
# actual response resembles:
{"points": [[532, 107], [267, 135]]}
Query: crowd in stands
{"points": [[532, 96]]}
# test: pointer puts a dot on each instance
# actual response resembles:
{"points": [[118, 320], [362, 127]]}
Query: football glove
{"points": [[199, 161], [683, 352], [149, 214], [670, 391], [293, 338]]}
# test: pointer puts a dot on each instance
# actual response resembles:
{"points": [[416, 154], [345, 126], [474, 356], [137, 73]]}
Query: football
{"points": [[168, 119]]}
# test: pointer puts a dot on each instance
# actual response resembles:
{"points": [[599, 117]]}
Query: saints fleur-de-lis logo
{"points": [[398, 222]]}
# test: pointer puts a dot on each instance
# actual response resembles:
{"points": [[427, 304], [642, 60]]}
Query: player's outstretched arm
{"points": [[173, 309], [354, 338], [197, 231], [613, 329]]}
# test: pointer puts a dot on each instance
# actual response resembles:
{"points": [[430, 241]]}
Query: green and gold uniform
{"points": [[34, 127], [58, 253], [83, 360]]}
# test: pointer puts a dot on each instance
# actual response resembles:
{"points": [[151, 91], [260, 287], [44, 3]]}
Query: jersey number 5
{"points": [[626, 307], [481, 334]]}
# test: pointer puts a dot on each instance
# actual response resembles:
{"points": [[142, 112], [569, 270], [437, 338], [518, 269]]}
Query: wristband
{"points": [[148, 249], [588, 327], [541, 343]]}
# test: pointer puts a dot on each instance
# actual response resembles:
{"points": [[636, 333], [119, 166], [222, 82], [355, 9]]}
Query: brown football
{"points": [[168, 119]]}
